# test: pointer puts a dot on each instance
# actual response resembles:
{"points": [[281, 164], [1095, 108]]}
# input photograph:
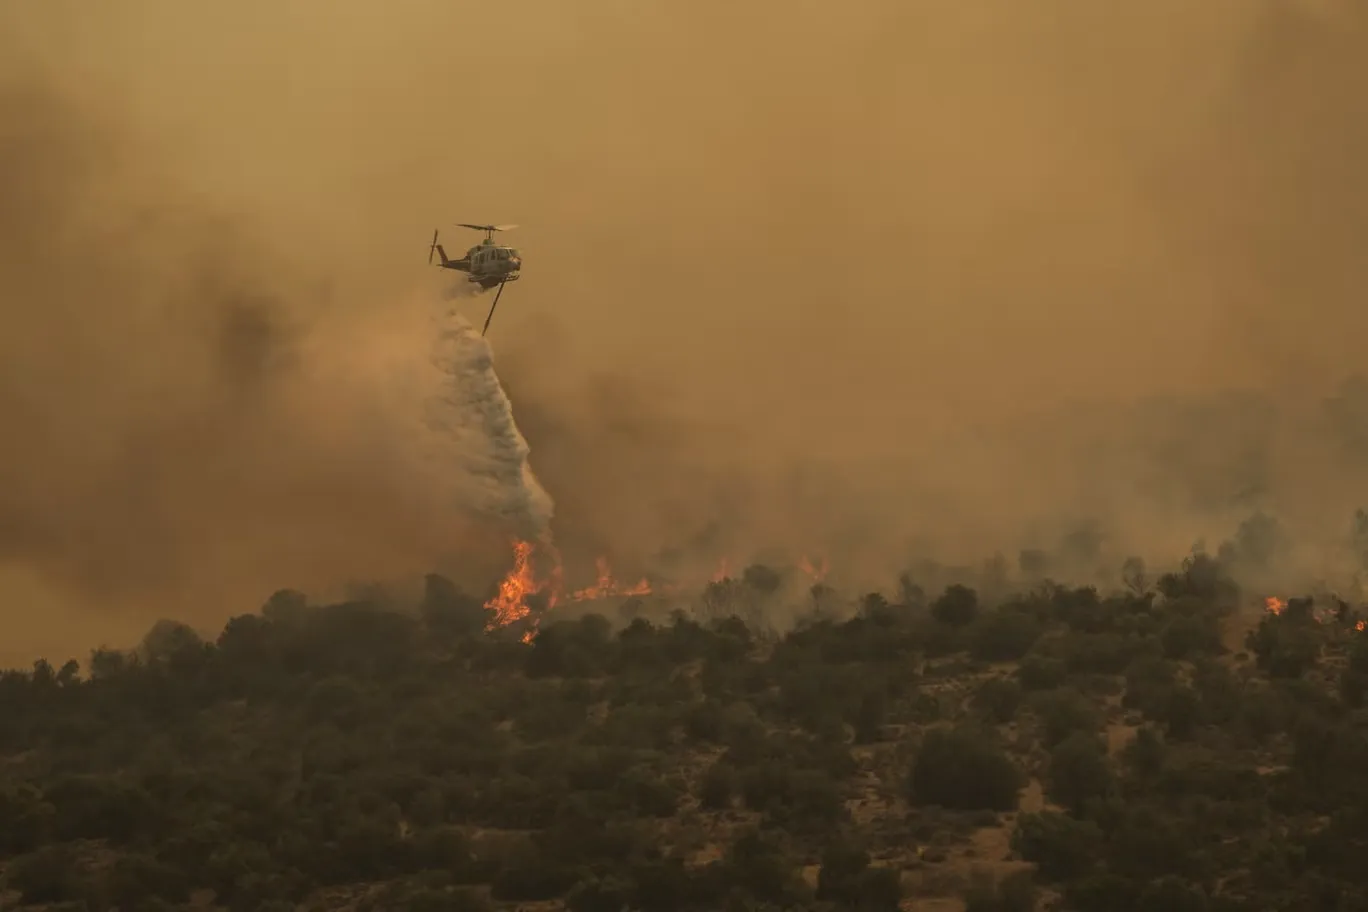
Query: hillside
{"points": [[1057, 749]]}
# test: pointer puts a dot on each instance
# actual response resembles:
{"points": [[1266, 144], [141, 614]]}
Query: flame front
{"points": [[510, 604], [607, 587], [1274, 605]]}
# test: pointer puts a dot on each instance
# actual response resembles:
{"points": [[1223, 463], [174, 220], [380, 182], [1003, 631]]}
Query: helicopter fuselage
{"points": [[486, 264], [490, 264]]}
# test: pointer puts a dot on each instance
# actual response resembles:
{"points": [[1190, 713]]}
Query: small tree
{"points": [[1040, 672], [448, 612], [1060, 847], [1063, 712], [999, 699], [1004, 635], [719, 785], [1079, 772], [957, 606], [962, 768], [842, 865], [1145, 753], [48, 875], [1284, 647]]}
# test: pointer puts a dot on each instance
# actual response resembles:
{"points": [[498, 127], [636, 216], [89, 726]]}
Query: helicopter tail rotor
{"points": [[433, 248]]}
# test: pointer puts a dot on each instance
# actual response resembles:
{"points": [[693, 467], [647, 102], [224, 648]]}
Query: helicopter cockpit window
{"points": [[513, 253]]}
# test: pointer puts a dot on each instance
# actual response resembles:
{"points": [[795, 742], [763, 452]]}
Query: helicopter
{"points": [[487, 264]]}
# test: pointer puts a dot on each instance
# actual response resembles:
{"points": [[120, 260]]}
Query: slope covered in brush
{"points": [[1055, 748]]}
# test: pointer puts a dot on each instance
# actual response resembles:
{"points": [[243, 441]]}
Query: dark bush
{"points": [[48, 875], [1171, 894], [1014, 893], [957, 606], [599, 895], [1061, 847], [1186, 637], [998, 699], [1039, 672], [1003, 636], [26, 820], [1284, 647], [718, 786], [1145, 753], [1102, 653], [838, 878], [1062, 713], [1079, 772], [756, 864], [962, 768]]}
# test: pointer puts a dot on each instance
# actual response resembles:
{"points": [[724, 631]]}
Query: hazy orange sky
{"points": [[758, 237]]}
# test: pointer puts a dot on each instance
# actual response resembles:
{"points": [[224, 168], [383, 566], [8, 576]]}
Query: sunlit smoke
{"points": [[1135, 214]]}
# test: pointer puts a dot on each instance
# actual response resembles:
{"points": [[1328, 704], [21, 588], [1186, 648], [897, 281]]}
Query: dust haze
{"points": [[874, 279]]}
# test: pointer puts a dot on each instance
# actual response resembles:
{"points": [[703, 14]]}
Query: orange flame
{"points": [[607, 587], [1361, 626], [510, 604], [1275, 605], [818, 572]]}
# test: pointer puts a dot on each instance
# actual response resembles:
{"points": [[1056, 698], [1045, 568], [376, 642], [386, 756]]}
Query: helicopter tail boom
{"points": [[448, 262], [462, 264]]}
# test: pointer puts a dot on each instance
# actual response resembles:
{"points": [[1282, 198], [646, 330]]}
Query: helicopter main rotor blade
{"points": [[486, 227], [491, 308]]}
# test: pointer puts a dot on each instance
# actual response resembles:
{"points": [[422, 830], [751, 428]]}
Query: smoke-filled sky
{"points": [[807, 269]]}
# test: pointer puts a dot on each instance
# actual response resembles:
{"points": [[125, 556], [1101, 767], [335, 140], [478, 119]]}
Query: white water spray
{"points": [[472, 432]]}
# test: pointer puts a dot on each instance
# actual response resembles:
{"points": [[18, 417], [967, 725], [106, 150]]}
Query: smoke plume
{"points": [[943, 278], [191, 420]]}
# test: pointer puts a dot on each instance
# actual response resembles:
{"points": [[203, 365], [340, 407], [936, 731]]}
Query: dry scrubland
{"points": [[997, 746]]}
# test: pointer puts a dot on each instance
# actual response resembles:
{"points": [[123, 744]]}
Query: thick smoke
{"points": [[191, 419], [843, 289]]}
